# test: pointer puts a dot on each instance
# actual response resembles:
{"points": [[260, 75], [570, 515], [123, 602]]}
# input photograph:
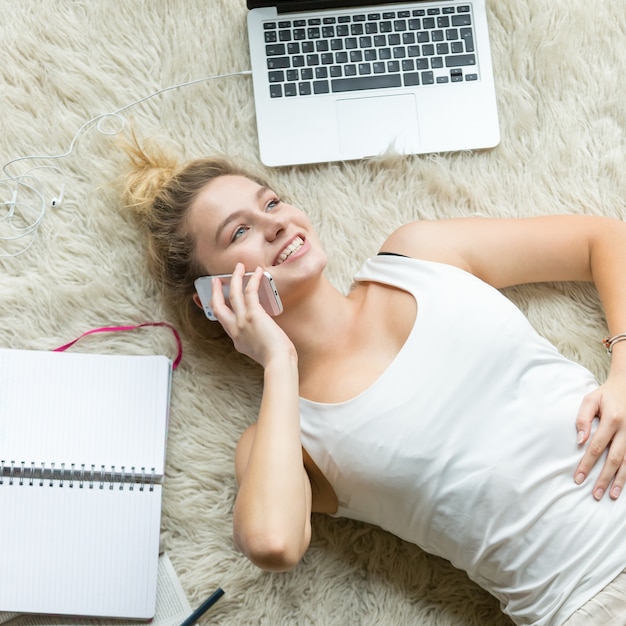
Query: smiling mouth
{"points": [[294, 246]]}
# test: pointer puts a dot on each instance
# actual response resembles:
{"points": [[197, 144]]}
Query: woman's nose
{"points": [[275, 224]]}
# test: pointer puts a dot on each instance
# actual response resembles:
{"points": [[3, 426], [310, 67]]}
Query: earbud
{"points": [[58, 200]]}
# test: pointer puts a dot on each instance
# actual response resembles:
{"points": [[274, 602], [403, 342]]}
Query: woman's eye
{"points": [[241, 230], [272, 204]]}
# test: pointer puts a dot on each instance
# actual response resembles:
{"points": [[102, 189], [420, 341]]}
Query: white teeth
{"points": [[296, 244]]}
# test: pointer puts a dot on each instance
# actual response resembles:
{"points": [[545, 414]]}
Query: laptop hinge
{"points": [[290, 6]]}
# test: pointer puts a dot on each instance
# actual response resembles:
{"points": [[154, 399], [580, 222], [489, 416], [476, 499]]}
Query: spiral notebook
{"points": [[82, 456]]}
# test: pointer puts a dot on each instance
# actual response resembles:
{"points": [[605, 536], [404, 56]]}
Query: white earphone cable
{"points": [[28, 183]]}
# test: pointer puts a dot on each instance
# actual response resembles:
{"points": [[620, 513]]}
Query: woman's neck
{"points": [[320, 322]]}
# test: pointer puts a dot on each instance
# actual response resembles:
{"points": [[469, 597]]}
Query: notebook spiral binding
{"points": [[33, 474]]}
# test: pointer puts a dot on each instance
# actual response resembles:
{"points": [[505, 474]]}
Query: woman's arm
{"points": [[272, 514], [506, 252], [273, 507]]}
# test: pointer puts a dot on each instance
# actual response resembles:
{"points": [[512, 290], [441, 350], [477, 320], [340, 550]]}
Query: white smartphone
{"points": [[268, 294]]}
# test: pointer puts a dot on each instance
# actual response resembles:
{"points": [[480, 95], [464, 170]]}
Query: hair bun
{"points": [[150, 170]]}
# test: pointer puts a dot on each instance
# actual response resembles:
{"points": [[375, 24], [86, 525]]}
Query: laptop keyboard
{"points": [[361, 51]]}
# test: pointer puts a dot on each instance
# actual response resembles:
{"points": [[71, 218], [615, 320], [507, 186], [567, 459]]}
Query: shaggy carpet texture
{"points": [[559, 71]]}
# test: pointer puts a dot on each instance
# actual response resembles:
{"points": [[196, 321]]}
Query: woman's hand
{"points": [[253, 331], [608, 403]]}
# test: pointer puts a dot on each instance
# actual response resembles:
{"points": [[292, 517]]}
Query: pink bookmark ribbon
{"points": [[112, 329]]}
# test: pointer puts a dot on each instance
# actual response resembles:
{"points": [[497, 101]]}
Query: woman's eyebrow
{"points": [[225, 222], [237, 214]]}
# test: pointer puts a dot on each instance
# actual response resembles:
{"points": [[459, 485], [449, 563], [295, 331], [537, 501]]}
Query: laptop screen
{"points": [[304, 5]]}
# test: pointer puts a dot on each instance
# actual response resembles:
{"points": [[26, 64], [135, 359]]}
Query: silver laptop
{"points": [[340, 80]]}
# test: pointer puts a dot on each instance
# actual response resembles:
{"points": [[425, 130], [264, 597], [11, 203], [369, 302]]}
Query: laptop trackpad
{"points": [[373, 125]]}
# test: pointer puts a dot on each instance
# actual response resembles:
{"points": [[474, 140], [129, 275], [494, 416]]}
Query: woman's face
{"points": [[236, 220]]}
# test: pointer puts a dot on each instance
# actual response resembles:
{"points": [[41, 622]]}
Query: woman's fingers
{"points": [[619, 481], [612, 465], [235, 295], [609, 438]]}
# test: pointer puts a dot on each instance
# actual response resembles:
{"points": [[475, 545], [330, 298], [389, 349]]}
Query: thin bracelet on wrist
{"points": [[609, 342]]}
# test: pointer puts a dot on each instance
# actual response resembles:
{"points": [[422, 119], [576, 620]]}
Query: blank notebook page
{"points": [[73, 544]]}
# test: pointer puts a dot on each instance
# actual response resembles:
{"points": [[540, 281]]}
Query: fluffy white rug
{"points": [[559, 71]]}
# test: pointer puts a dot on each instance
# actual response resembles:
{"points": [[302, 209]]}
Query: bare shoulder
{"points": [[431, 240]]}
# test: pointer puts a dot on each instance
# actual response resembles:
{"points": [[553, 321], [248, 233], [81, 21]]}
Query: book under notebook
{"points": [[82, 457]]}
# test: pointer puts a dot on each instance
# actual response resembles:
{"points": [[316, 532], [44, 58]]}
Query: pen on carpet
{"points": [[204, 607]]}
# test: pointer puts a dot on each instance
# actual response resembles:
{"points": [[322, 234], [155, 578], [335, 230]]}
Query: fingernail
{"points": [[579, 478], [581, 436], [615, 492], [598, 493]]}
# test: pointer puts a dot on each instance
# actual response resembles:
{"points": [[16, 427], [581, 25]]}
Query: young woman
{"points": [[422, 401]]}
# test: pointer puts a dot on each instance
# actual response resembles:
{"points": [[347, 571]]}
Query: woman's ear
{"points": [[196, 299]]}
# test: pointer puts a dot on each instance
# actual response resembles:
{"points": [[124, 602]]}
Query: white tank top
{"points": [[466, 446]]}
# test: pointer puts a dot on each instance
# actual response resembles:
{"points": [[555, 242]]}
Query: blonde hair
{"points": [[159, 191]]}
